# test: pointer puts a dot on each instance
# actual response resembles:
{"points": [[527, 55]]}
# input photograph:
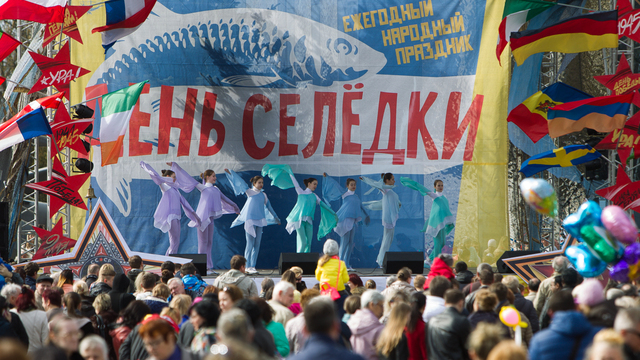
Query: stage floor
{"points": [[365, 274]]}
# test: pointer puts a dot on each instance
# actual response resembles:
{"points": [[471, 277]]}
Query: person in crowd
{"points": [[148, 283], [484, 309], [486, 279], [281, 300], [227, 297], [607, 344], [181, 303], [393, 298], [351, 305], [568, 335], [92, 274], [72, 303], [34, 321], [44, 282], [568, 281], [237, 277], [235, 325], [331, 272], [138, 284], [80, 287], [52, 301], [158, 299], [177, 288], [166, 276], [102, 305], [131, 316], [418, 282], [11, 292], [558, 264], [324, 331], [415, 329], [266, 285], [370, 285], [435, 299], [534, 285], [295, 332], [31, 272], [441, 266], [483, 339], [463, 275], [119, 294], [507, 350], [191, 279], [506, 298], [447, 332], [290, 277], [94, 347], [159, 339], [392, 343], [65, 282], [11, 326], [204, 317], [268, 336], [355, 284], [104, 284], [468, 289], [300, 284], [136, 268], [589, 296], [403, 283], [64, 336], [523, 305], [627, 324], [365, 324]]}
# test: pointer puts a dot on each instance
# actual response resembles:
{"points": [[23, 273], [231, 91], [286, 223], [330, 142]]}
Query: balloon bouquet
{"points": [[602, 233]]}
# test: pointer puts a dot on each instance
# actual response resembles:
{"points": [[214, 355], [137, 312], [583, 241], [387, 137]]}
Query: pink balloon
{"points": [[510, 317], [619, 224]]}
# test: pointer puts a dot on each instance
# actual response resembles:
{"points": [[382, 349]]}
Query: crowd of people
{"points": [[451, 313]]}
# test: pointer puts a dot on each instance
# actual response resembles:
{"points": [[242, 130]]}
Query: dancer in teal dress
{"points": [[441, 221], [302, 214]]}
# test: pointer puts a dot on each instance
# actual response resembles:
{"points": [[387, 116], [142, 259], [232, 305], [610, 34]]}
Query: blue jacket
{"points": [[557, 341], [322, 347]]}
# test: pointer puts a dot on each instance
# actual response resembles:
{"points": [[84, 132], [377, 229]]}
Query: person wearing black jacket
{"points": [[448, 331], [262, 338], [10, 324], [120, 297], [463, 276]]}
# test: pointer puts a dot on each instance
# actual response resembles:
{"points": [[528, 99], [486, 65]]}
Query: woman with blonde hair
{"points": [[65, 282], [158, 299], [392, 344], [181, 303], [332, 273], [227, 296], [80, 287]]}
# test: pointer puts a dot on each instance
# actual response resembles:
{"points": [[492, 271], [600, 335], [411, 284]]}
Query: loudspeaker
{"points": [[394, 261], [306, 261], [4, 231], [199, 260], [503, 268]]}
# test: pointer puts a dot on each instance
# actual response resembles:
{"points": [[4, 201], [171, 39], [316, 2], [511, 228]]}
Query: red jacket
{"points": [[416, 340], [439, 268]]}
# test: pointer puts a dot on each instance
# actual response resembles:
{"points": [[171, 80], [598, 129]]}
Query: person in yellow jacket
{"points": [[333, 271]]}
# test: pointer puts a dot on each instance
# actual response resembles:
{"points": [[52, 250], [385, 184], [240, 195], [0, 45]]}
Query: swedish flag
{"points": [[563, 157]]}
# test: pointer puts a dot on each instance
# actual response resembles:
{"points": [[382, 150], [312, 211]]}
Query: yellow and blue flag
{"points": [[563, 157]]}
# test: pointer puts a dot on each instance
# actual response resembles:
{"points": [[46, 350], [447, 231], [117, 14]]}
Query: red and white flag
{"points": [[42, 11]]}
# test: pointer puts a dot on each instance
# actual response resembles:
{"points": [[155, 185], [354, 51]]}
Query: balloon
{"points": [[619, 224], [511, 317], [586, 226], [540, 196], [627, 268], [585, 261]]}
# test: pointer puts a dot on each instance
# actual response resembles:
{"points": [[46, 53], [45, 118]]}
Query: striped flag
{"points": [[123, 18], [117, 108], [42, 11], [7, 45], [516, 13], [27, 126]]}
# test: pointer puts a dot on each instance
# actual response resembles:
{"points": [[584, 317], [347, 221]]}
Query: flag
{"points": [[588, 32], [117, 108], [531, 115], [27, 126], [603, 114], [7, 45], [563, 157], [47, 102], [123, 18], [42, 11], [515, 14], [2, 80]]}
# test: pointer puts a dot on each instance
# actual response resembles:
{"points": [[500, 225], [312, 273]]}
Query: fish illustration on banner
{"points": [[350, 88]]}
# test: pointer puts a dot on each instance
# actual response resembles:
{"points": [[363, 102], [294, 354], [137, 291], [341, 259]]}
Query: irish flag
{"points": [[117, 108], [42, 11], [516, 13]]}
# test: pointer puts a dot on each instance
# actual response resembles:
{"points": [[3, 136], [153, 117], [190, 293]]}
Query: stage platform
{"points": [[310, 279]]}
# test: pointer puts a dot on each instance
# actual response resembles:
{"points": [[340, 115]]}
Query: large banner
{"points": [[350, 88]]}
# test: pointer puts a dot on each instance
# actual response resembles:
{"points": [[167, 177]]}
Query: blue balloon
{"points": [[585, 261]]}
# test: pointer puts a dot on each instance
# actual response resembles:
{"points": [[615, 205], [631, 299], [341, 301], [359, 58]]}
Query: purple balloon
{"points": [[620, 271]]}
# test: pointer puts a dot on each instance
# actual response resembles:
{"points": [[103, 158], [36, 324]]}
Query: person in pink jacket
{"points": [[365, 324]]}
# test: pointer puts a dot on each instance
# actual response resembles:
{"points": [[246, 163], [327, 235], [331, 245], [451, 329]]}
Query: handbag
{"points": [[327, 289]]}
